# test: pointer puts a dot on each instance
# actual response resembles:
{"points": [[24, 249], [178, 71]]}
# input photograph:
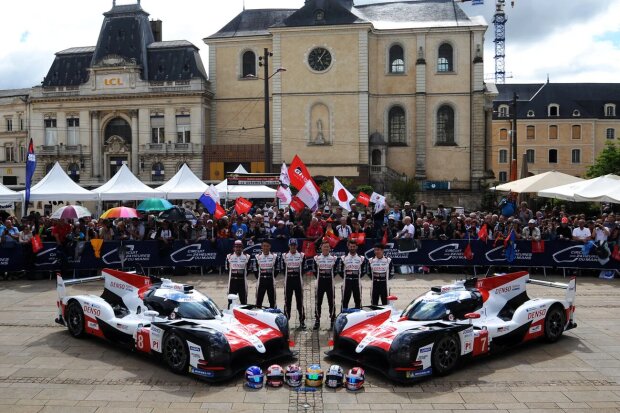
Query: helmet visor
{"points": [[355, 380], [255, 379], [314, 376]]}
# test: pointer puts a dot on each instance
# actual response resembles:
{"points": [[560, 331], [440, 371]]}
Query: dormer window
{"points": [[576, 113], [553, 109], [530, 113], [610, 109], [503, 111], [319, 15]]}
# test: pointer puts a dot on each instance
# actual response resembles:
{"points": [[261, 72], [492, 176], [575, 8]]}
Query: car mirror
{"points": [[151, 313], [392, 298], [470, 316]]}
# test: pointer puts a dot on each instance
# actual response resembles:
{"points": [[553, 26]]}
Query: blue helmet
{"points": [[254, 377]]}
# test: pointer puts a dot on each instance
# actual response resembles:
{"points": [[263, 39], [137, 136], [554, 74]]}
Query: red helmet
{"points": [[355, 378], [275, 376]]}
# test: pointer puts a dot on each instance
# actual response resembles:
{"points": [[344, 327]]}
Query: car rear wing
{"points": [[61, 284], [570, 288]]}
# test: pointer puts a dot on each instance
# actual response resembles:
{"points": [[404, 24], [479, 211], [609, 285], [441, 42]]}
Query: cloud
{"points": [[24, 36]]}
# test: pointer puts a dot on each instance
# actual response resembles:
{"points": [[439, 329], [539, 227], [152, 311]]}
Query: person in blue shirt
{"points": [[508, 205], [9, 234], [281, 231], [239, 229]]}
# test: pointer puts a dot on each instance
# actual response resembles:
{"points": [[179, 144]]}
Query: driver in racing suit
{"points": [[352, 268], [237, 265], [293, 263], [324, 267], [266, 266], [381, 270]]}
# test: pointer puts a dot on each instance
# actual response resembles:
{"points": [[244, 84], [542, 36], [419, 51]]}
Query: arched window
{"points": [[397, 126], [445, 126], [157, 172], [444, 59], [397, 59], [610, 109], [118, 127], [376, 157], [74, 171], [249, 64]]}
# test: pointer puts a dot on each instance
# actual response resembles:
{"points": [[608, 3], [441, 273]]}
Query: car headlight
{"points": [[401, 351], [340, 323], [282, 324]]}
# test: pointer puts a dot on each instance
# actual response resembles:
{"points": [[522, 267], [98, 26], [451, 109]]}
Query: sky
{"points": [[567, 40]]}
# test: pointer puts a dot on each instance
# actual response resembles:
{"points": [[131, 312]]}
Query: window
{"points": [[74, 171], [397, 126], [157, 129], [531, 132], [21, 124], [503, 156], [553, 156], [576, 156], [183, 129], [610, 109], [23, 153], [445, 126], [576, 131], [249, 64], [444, 59], [9, 124], [553, 131], [51, 137], [157, 172], [503, 134], [576, 113], [553, 109], [503, 111], [49, 167], [610, 133], [503, 176], [9, 153], [376, 157], [119, 127], [530, 113], [530, 156], [73, 131], [397, 59]]}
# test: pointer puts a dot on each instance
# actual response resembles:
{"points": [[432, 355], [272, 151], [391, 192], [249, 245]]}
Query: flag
{"points": [[358, 237], [210, 198], [296, 204], [31, 165], [309, 195], [242, 206], [331, 239], [378, 200], [483, 234], [341, 194], [467, 253], [284, 178], [284, 194], [363, 199], [299, 174], [509, 244], [219, 211]]}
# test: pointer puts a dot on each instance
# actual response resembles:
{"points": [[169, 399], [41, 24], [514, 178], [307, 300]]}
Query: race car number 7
{"points": [[483, 341]]}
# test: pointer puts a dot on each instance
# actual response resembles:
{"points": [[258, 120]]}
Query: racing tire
{"points": [[446, 352], [175, 353], [75, 320], [555, 320]]}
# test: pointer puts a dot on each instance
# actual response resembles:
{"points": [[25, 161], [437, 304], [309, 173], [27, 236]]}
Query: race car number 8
{"points": [[140, 341]]}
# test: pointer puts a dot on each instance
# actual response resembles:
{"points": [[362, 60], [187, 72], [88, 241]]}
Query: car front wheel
{"points": [[176, 353], [446, 352]]}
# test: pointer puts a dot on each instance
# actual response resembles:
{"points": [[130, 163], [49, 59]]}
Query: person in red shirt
{"points": [[60, 230], [315, 230]]}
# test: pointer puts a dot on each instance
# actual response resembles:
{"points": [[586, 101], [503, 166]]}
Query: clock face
{"points": [[319, 59]]}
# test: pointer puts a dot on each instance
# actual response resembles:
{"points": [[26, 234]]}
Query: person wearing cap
{"points": [[281, 231], [237, 264], [380, 271], [293, 264], [352, 268], [266, 266], [324, 268], [531, 232], [408, 211]]}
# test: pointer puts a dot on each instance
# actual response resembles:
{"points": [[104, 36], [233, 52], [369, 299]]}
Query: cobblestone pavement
{"points": [[43, 369]]}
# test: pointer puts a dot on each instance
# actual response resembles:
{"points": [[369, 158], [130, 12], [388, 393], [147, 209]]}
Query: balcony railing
{"points": [[171, 148]]}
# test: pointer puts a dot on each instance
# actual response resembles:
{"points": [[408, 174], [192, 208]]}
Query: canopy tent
{"points": [[124, 186], [589, 188], [247, 191], [57, 186], [600, 189], [8, 195], [184, 185], [538, 182], [240, 170]]}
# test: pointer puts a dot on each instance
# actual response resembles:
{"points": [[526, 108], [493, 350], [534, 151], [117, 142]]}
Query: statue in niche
{"points": [[320, 139]]}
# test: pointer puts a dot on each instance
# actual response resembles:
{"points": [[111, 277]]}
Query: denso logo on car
{"points": [[537, 314], [94, 311], [156, 332], [503, 290]]}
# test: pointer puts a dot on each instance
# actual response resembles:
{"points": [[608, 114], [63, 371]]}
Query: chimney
{"points": [[156, 29]]}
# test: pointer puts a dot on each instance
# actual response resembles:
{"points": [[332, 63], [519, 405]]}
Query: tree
{"points": [[404, 191], [327, 187], [607, 162], [367, 189]]}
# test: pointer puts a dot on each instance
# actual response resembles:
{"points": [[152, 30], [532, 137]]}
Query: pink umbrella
{"points": [[71, 212], [120, 212]]}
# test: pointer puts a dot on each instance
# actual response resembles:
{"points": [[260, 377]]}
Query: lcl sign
{"points": [[115, 81]]}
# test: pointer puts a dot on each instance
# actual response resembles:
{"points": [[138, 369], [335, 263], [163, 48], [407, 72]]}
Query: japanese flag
{"points": [[341, 194]]}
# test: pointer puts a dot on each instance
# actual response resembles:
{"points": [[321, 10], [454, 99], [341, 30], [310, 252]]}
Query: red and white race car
{"points": [[469, 318], [176, 322]]}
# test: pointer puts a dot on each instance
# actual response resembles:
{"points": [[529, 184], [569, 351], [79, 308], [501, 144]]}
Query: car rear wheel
{"points": [[554, 324], [176, 353], [446, 353], [75, 319]]}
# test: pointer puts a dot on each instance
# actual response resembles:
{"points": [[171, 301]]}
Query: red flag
{"points": [[299, 174], [296, 204], [219, 211], [363, 199], [384, 240], [358, 237], [331, 239], [469, 255], [483, 234], [242, 206]]}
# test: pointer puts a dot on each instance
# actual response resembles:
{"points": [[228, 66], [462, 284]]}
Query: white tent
{"points": [[124, 186], [538, 182], [599, 189], [8, 195], [247, 191], [184, 185], [57, 186], [240, 170], [591, 188]]}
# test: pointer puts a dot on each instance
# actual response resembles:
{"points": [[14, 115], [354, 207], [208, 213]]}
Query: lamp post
{"points": [[513, 163], [264, 62]]}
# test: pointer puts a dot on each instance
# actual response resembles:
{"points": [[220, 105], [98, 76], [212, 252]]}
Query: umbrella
{"points": [[178, 214], [71, 212], [154, 204], [120, 212]]}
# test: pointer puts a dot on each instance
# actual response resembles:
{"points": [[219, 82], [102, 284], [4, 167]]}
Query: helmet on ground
{"points": [[355, 378], [334, 377], [254, 377], [293, 375], [314, 375], [275, 376]]}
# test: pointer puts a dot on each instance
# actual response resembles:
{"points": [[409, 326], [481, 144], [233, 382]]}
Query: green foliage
{"points": [[404, 190], [607, 162], [367, 189]]}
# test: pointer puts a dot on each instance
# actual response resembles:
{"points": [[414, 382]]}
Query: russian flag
{"points": [[210, 199]]}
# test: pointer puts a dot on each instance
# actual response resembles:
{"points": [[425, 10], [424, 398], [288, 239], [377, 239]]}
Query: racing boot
{"points": [[316, 325], [302, 326], [331, 325]]}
